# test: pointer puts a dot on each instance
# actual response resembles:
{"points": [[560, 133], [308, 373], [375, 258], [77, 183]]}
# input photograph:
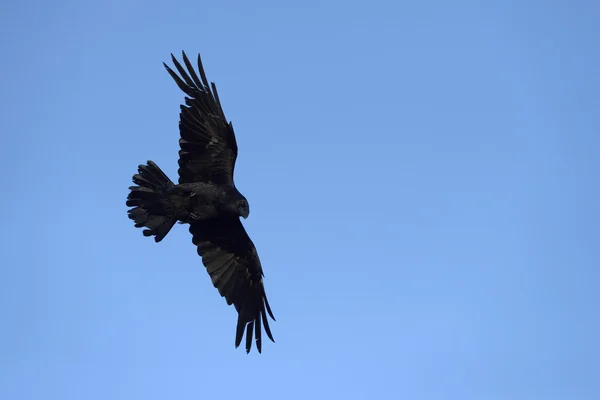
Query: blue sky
{"points": [[423, 179]]}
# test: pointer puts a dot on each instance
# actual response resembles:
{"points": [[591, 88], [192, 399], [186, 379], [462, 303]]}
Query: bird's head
{"points": [[243, 209]]}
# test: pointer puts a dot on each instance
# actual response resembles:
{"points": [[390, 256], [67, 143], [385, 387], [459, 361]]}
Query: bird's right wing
{"points": [[234, 267], [208, 148]]}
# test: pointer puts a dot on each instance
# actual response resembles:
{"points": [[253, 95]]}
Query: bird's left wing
{"points": [[233, 265]]}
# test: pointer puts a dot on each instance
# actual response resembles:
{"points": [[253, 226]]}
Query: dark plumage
{"points": [[206, 198]]}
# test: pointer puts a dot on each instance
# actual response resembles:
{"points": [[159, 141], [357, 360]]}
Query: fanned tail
{"points": [[148, 200]]}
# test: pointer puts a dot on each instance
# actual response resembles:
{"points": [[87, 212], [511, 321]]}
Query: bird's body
{"points": [[207, 199], [200, 201]]}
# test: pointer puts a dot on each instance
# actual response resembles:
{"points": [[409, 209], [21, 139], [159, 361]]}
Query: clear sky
{"points": [[423, 180]]}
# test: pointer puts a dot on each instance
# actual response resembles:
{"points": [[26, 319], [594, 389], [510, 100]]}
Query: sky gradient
{"points": [[423, 184]]}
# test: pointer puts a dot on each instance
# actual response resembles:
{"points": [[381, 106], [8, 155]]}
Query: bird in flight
{"points": [[206, 198]]}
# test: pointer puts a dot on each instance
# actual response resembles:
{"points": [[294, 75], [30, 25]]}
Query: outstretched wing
{"points": [[234, 267], [208, 148]]}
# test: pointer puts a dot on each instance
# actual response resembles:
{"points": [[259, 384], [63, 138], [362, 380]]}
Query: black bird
{"points": [[206, 198]]}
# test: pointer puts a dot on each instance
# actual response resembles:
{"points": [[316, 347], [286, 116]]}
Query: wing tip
{"points": [[251, 327]]}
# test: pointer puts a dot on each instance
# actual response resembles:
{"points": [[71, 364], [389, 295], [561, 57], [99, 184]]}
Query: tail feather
{"points": [[148, 201]]}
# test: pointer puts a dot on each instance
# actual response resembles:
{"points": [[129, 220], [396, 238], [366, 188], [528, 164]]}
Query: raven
{"points": [[206, 198]]}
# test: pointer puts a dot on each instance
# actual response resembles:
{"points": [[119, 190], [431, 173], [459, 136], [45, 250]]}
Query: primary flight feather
{"points": [[206, 198]]}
